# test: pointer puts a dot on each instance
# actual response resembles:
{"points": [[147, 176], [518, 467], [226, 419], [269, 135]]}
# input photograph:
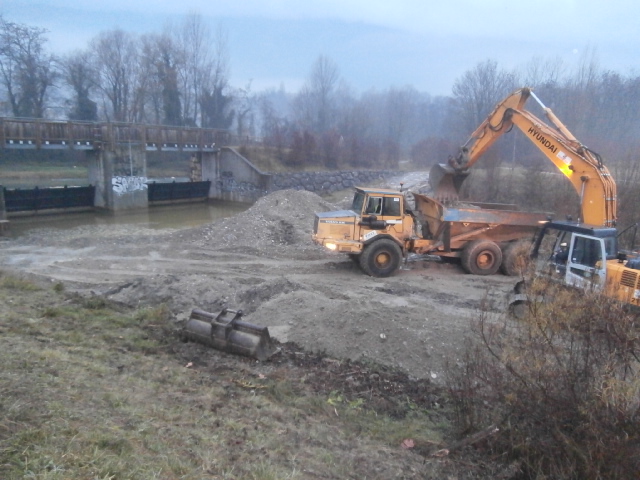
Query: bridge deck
{"points": [[52, 134]]}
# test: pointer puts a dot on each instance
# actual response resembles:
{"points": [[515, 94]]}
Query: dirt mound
{"points": [[280, 220]]}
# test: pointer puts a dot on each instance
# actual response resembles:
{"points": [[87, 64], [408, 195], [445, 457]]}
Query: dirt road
{"points": [[263, 262]]}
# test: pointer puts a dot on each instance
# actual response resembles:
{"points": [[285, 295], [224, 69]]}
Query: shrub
{"points": [[562, 385]]}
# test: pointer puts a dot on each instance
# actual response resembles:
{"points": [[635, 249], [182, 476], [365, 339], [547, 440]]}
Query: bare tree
{"points": [[216, 102], [543, 73], [358, 127], [216, 107], [150, 52], [399, 114], [27, 71], [275, 126], [161, 61], [582, 95], [399, 111], [314, 105], [193, 40], [475, 95], [478, 91], [618, 119], [79, 75], [116, 57], [245, 101], [588, 71]]}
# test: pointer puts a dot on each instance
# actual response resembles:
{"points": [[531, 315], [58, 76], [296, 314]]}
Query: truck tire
{"points": [[381, 258], [515, 259], [481, 257]]}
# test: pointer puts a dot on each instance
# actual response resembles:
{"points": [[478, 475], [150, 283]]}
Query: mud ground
{"points": [[263, 262]]}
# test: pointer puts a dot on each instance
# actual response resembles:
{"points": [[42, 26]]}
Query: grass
{"points": [[92, 390]]}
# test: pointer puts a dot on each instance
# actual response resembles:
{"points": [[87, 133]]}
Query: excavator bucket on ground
{"points": [[446, 182], [227, 332]]}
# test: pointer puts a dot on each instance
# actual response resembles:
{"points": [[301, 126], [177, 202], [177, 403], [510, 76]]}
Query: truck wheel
{"points": [[481, 257], [515, 259], [381, 258]]}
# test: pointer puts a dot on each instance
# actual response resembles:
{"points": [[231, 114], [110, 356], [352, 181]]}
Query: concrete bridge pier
{"points": [[206, 167], [120, 178]]}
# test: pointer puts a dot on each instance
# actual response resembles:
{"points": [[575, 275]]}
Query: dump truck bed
{"points": [[448, 228]]}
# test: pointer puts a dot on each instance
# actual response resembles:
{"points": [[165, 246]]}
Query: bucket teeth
{"points": [[227, 332]]}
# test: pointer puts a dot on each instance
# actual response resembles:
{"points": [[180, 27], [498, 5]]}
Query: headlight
{"points": [[331, 246]]}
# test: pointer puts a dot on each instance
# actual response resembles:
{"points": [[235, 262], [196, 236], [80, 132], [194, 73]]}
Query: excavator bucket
{"points": [[227, 332], [446, 182]]}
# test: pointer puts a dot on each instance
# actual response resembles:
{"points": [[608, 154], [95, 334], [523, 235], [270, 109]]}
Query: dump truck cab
{"points": [[375, 229], [380, 229]]}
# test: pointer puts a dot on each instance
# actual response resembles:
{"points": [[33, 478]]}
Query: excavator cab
{"points": [[579, 254]]}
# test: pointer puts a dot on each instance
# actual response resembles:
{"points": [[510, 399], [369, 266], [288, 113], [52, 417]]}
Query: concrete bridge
{"points": [[116, 155]]}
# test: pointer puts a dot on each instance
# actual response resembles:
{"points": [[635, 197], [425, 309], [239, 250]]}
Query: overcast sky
{"points": [[375, 43]]}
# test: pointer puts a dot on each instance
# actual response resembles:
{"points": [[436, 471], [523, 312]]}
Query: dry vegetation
{"points": [[93, 389], [264, 158], [561, 383], [90, 389]]}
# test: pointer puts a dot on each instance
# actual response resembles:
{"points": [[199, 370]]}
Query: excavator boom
{"points": [[583, 167]]}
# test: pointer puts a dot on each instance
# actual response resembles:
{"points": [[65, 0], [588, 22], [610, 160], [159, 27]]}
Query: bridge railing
{"points": [[37, 133], [34, 133]]}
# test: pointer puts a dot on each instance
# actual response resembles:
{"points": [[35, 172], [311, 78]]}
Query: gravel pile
{"points": [[278, 221]]}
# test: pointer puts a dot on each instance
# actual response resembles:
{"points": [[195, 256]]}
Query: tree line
{"points": [[180, 77]]}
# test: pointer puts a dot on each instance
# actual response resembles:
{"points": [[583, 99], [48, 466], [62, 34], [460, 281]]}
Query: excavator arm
{"points": [[583, 167]]}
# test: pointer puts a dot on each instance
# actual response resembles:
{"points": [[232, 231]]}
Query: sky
{"points": [[376, 44]]}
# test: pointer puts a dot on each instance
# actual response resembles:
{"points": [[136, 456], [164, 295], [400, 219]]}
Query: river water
{"points": [[182, 215]]}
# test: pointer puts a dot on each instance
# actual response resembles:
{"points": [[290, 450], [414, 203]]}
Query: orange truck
{"points": [[380, 230]]}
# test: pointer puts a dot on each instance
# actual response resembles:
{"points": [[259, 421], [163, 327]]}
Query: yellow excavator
{"points": [[584, 253]]}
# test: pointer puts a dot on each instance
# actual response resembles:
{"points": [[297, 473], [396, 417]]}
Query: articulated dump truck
{"points": [[381, 230]]}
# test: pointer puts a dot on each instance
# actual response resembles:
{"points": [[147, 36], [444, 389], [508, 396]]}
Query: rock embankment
{"points": [[327, 182]]}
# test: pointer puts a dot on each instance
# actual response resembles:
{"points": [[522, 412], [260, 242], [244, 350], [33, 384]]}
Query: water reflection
{"points": [[182, 215]]}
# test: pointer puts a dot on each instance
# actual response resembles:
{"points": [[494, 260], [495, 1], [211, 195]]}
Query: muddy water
{"points": [[183, 215]]}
